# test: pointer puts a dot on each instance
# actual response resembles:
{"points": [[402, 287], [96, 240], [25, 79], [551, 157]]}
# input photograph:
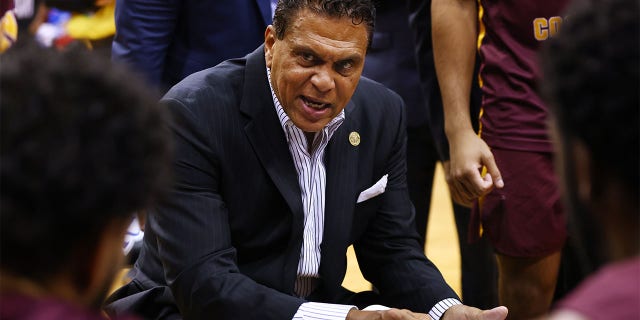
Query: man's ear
{"points": [[583, 171], [269, 41]]}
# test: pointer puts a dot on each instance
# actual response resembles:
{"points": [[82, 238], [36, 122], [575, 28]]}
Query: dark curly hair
{"points": [[591, 81], [359, 11], [82, 143]]}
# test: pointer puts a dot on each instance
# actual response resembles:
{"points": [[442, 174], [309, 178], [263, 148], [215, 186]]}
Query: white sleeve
{"points": [[326, 311], [438, 310]]}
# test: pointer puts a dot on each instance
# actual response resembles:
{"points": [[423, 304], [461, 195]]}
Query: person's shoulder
{"points": [[218, 82], [620, 278], [373, 98], [213, 93], [376, 108], [564, 315], [375, 93], [613, 290], [20, 306]]}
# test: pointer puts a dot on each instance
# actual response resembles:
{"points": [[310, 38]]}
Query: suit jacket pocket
{"points": [[364, 212]]}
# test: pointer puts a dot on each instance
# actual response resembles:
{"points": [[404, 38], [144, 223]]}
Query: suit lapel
{"points": [[267, 138], [270, 146], [341, 160], [268, 141]]}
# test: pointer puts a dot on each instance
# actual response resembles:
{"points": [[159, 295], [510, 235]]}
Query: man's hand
{"points": [[462, 312], [391, 314], [463, 172]]}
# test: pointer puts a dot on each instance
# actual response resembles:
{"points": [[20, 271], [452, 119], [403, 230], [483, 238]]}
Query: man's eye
{"points": [[346, 65], [307, 57]]}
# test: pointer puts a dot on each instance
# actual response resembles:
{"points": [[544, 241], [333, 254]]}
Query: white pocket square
{"points": [[374, 190]]}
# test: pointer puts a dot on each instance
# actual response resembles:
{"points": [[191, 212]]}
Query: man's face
{"points": [[316, 67]]}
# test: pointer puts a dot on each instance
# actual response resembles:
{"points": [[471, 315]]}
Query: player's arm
{"points": [[454, 31]]}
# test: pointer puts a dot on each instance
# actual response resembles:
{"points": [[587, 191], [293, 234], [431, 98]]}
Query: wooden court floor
{"points": [[442, 241]]}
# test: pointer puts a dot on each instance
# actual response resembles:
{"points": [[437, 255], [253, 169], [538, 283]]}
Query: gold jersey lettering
{"points": [[544, 28]]}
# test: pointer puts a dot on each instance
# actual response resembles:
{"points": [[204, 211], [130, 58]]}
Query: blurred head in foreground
{"points": [[83, 146], [591, 80]]}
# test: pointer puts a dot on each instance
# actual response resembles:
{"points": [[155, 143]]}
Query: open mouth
{"points": [[318, 105]]}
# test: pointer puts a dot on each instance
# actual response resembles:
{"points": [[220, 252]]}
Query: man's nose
{"points": [[323, 80]]}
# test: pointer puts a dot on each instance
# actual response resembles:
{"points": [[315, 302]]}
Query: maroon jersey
{"points": [[15, 306], [611, 293], [513, 116]]}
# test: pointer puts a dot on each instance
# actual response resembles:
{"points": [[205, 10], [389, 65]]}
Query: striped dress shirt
{"points": [[309, 164]]}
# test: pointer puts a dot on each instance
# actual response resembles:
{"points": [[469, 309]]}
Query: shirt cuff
{"points": [[326, 311], [438, 310]]}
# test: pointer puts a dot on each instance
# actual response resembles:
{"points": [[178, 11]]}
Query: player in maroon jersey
{"points": [[518, 204]]}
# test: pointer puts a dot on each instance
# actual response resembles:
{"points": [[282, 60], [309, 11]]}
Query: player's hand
{"points": [[457, 196], [468, 155], [391, 314], [462, 312]]}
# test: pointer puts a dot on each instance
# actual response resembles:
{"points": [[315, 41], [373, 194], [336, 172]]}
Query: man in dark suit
{"points": [[284, 159], [167, 40]]}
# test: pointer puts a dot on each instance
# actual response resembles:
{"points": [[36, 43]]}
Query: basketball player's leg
{"points": [[526, 285], [526, 225]]}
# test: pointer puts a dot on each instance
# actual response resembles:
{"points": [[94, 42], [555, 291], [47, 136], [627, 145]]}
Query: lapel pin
{"points": [[354, 138]]}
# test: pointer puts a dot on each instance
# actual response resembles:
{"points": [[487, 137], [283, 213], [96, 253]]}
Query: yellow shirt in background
{"points": [[8, 30], [95, 26]]}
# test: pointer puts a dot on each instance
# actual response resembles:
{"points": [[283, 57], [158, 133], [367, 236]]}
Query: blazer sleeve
{"points": [[144, 31], [194, 240], [389, 253]]}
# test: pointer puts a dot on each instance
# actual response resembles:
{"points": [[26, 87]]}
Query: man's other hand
{"points": [[391, 314], [462, 312]]}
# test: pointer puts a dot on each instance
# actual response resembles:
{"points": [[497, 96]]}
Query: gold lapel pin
{"points": [[354, 138]]}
